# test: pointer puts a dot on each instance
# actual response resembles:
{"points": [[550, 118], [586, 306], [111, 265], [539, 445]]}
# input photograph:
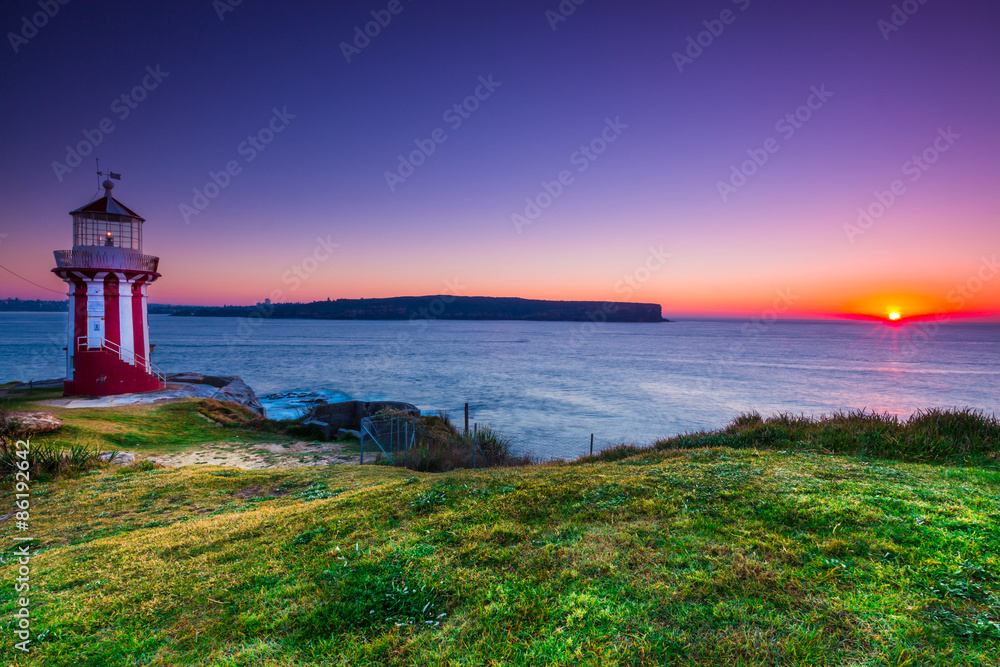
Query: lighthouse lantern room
{"points": [[107, 274]]}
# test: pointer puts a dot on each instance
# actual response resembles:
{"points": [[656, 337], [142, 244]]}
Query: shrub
{"points": [[493, 444], [745, 419], [936, 434], [941, 436], [439, 447]]}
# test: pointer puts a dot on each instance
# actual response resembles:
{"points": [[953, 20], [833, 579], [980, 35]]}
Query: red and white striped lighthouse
{"points": [[107, 274]]}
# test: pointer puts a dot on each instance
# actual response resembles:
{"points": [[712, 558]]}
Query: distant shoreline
{"points": [[443, 307], [438, 307]]}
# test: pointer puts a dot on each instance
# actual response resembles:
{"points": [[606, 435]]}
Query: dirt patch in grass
{"points": [[263, 456]]}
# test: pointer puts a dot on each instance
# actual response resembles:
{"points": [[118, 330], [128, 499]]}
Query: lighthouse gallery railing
{"points": [[98, 257], [83, 344]]}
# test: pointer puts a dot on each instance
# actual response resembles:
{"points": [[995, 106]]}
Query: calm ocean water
{"points": [[550, 385]]}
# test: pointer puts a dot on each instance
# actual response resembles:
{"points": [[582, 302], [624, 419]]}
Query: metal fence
{"points": [[391, 435]]}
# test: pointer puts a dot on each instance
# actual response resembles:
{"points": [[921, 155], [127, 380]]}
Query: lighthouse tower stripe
{"points": [[112, 324], [126, 327], [139, 333], [71, 330], [80, 316], [145, 327]]}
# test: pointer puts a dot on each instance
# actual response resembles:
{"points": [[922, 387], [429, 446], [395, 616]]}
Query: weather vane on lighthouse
{"points": [[111, 175]]}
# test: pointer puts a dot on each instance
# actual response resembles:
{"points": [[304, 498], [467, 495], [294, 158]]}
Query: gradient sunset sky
{"points": [[886, 85]]}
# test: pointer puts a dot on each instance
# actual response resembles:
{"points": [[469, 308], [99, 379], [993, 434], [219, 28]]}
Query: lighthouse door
{"points": [[95, 315], [95, 332]]}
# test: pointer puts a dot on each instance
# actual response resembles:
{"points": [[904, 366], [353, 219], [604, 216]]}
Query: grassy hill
{"points": [[766, 551]]}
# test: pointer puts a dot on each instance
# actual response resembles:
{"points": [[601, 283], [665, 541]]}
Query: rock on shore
{"points": [[227, 388], [179, 386], [34, 421]]}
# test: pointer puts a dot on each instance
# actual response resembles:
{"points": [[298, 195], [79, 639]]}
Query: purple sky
{"points": [[461, 222]]}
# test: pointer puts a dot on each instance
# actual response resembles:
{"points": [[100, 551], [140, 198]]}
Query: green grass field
{"points": [[703, 550], [141, 429]]}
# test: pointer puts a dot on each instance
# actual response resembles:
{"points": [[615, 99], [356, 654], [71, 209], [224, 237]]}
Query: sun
{"points": [[894, 316]]}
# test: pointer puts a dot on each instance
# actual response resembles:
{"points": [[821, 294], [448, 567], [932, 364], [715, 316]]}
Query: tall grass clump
{"points": [[43, 459], [441, 447], [935, 435], [929, 436], [10, 432], [941, 434]]}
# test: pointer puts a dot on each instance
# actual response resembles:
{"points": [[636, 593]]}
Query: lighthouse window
{"points": [[90, 231]]}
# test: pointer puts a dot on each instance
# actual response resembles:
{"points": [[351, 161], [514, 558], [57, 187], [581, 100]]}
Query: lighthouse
{"points": [[107, 275]]}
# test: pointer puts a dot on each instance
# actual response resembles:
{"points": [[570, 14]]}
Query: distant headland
{"points": [[440, 307], [33, 306], [443, 307]]}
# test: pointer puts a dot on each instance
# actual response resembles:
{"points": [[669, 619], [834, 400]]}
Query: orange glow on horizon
{"points": [[892, 306]]}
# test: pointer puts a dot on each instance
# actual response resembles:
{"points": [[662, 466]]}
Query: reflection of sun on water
{"points": [[900, 336]]}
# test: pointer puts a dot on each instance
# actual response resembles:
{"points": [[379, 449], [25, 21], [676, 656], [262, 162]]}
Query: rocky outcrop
{"points": [[197, 378], [347, 416], [221, 388], [118, 458], [240, 392], [33, 421]]}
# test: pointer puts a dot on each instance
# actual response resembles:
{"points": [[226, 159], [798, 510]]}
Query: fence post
{"points": [[591, 444], [362, 444], [466, 419]]}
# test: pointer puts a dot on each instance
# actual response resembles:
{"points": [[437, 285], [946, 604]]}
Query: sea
{"points": [[551, 386]]}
